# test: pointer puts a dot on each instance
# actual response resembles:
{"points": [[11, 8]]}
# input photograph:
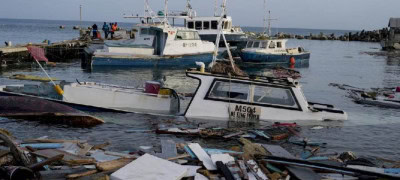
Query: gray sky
{"points": [[313, 14]]}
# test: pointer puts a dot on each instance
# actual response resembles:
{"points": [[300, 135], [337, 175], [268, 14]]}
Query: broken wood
{"points": [[298, 172], [101, 146], [112, 165], [68, 158], [40, 164], [74, 176], [179, 157], [85, 149]]}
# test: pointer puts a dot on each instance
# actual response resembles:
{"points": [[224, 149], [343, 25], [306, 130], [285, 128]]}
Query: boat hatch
{"points": [[253, 94]]}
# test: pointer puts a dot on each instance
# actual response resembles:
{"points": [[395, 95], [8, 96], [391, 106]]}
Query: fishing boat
{"points": [[155, 45], [206, 26], [392, 41], [92, 96], [273, 51], [251, 99]]}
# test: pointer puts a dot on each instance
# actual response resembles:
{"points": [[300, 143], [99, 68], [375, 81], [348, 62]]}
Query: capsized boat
{"points": [[36, 109], [92, 96], [273, 51], [377, 99], [155, 45], [244, 98]]}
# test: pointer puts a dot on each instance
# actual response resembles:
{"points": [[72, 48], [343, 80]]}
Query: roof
{"points": [[394, 22]]}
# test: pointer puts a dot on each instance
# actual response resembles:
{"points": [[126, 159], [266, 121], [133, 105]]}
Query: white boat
{"points": [[393, 39], [222, 97], [91, 96], [273, 51], [155, 45], [207, 26]]}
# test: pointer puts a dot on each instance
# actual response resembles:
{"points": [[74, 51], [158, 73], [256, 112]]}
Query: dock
{"points": [[64, 51]]}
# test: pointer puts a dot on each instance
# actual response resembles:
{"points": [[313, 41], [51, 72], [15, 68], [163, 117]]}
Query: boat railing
{"points": [[263, 79]]}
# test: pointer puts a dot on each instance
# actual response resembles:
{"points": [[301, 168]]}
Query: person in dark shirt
{"points": [[94, 28], [106, 29]]}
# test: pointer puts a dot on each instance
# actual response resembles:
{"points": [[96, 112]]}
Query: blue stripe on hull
{"points": [[252, 57], [183, 61]]}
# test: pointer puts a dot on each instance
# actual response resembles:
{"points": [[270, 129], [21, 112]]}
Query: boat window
{"points": [[206, 25], [272, 45], [279, 44], [226, 25], [256, 44], [249, 44], [199, 25], [214, 24], [274, 96], [190, 25], [229, 91], [187, 35], [263, 44]]}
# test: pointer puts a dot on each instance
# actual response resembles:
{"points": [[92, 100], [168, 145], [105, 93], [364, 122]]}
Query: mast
{"points": [[80, 16], [221, 33], [216, 8], [265, 17], [269, 23]]}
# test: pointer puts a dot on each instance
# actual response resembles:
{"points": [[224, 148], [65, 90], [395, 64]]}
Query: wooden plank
{"points": [[86, 148], [299, 172], [68, 157], [114, 164], [87, 173], [202, 156]]}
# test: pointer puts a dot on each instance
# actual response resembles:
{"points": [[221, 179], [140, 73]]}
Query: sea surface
{"points": [[370, 131]]}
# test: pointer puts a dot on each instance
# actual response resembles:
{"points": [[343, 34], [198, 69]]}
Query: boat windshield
{"points": [[230, 91], [256, 94], [273, 96], [187, 35]]}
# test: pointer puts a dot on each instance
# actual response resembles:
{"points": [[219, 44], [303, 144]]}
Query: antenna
{"points": [[265, 17], [80, 16], [216, 8], [269, 23]]}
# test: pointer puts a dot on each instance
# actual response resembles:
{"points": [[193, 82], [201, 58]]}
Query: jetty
{"points": [[63, 51]]}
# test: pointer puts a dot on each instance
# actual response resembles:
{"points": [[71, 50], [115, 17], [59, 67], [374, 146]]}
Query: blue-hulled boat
{"points": [[273, 51], [155, 45]]}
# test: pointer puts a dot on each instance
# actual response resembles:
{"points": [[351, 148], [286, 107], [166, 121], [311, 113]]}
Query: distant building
{"points": [[393, 39]]}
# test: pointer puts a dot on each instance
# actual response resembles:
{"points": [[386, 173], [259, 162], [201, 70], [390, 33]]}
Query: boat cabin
{"points": [[273, 46], [210, 23], [160, 40], [221, 97]]}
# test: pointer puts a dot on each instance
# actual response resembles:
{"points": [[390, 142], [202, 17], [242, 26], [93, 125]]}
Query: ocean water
{"points": [[370, 131]]}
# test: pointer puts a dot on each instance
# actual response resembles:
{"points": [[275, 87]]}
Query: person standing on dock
{"points": [[112, 30], [94, 28], [106, 29]]}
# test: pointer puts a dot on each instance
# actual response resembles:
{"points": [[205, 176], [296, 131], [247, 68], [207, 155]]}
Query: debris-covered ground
{"points": [[277, 151]]}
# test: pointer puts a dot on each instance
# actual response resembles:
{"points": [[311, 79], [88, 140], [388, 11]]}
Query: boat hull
{"points": [[171, 61], [262, 58]]}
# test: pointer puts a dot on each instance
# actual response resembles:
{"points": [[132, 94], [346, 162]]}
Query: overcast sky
{"points": [[313, 14]]}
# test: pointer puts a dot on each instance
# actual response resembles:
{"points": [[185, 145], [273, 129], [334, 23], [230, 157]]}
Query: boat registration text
{"points": [[244, 112]]}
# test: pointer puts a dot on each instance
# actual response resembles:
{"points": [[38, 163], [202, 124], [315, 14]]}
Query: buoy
{"points": [[58, 90], [292, 61]]}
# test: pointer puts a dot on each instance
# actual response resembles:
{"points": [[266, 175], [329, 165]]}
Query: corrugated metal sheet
{"points": [[394, 22]]}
